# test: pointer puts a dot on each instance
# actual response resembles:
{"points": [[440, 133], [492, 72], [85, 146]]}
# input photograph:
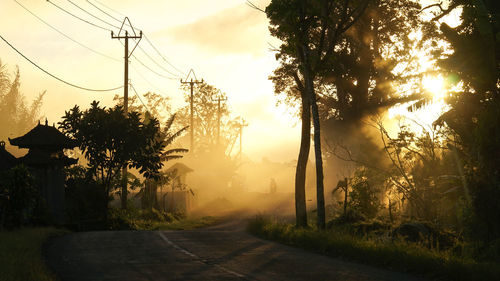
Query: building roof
{"points": [[36, 157], [180, 168], [44, 137], [7, 160]]}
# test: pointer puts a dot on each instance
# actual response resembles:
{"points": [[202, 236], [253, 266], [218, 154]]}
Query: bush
{"points": [[18, 197], [137, 219]]}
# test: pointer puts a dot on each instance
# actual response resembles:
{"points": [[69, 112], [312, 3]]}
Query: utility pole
{"points": [[219, 99], [241, 125], [191, 126], [125, 93]]}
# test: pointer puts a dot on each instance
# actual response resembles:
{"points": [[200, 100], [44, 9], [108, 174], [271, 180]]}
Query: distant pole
{"points": [[218, 99], [241, 125], [191, 126], [125, 94]]}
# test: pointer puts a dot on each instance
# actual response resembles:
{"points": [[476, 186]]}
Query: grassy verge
{"points": [[188, 223], [21, 254], [389, 254], [135, 219]]}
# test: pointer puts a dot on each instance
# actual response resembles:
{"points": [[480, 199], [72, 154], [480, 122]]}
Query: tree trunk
{"points": [[320, 194], [124, 189], [300, 173]]}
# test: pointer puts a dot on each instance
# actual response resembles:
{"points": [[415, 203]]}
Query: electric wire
{"points": [[109, 15], [55, 77], [73, 15], [102, 11], [85, 11], [147, 67], [138, 96], [154, 61], [142, 63], [157, 89], [65, 35], [107, 7], [158, 52], [145, 37]]}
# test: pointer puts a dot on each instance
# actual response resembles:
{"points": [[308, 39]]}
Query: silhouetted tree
{"points": [[310, 31], [110, 141], [474, 116]]}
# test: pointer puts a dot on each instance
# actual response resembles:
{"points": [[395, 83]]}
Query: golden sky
{"points": [[224, 41]]}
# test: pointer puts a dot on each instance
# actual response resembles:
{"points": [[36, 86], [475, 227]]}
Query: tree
{"points": [[474, 117], [310, 31], [110, 141], [16, 116], [206, 115]]}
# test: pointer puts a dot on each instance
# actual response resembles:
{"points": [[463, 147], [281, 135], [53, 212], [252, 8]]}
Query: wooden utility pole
{"points": [[241, 125], [218, 99], [191, 125], [125, 93]]}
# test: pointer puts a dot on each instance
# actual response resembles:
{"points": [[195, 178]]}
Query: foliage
{"points": [[111, 141], [152, 219], [86, 199], [205, 117], [309, 31], [155, 104], [474, 116], [18, 197], [364, 197], [16, 116], [21, 254], [394, 253]]}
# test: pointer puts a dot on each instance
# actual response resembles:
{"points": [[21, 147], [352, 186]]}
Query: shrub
{"points": [[18, 197]]}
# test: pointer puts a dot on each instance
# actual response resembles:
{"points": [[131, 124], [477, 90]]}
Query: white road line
{"points": [[177, 247]]}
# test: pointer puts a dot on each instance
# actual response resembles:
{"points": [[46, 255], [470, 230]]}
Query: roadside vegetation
{"points": [[21, 254], [412, 191], [380, 249], [152, 219]]}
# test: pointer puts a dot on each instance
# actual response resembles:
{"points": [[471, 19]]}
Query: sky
{"points": [[225, 41]]}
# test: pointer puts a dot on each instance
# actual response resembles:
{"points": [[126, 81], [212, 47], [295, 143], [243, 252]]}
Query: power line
{"points": [[63, 34], [147, 67], [55, 77], [137, 95], [145, 37], [115, 11], [73, 15], [107, 14], [102, 11], [158, 52], [153, 60], [88, 22], [92, 15], [147, 81]]}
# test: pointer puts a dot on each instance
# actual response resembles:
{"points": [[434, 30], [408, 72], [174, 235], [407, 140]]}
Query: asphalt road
{"points": [[222, 252]]}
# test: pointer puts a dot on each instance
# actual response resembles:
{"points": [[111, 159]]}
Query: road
{"points": [[221, 252]]}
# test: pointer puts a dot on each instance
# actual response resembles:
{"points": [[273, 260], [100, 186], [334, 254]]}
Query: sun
{"points": [[436, 85]]}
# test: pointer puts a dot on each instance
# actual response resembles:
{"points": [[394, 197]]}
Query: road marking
{"points": [[177, 247]]}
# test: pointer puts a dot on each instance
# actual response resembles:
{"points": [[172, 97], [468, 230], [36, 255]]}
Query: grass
{"points": [[137, 219], [389, 254], [21, 254], [188, 223]]}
